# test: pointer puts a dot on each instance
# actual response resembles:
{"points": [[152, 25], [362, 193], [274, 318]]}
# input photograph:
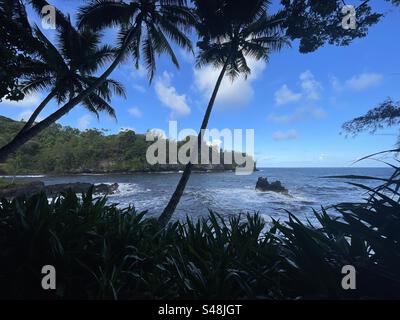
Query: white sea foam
{"points": [[24, 176], [126, 189], [251, 196]]}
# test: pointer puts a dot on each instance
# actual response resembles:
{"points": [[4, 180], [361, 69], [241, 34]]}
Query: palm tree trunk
{"points": [[37, 111], [20, 139], [177, 195]]}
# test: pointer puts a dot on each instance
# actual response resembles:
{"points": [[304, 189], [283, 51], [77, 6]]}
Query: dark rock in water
{"points": [[106, 188], [28, 189], [55, 189], [276, 186], [16, 190]]}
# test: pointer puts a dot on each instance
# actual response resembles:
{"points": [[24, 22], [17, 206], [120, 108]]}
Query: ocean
{"points": [[230, 194]]}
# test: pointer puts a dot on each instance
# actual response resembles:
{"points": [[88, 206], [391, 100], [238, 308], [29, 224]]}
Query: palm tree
{"points": [[230, 32], [145, 27], [69, 69]]}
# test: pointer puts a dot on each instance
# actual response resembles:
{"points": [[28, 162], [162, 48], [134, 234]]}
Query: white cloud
{"points": [[187, 56], [364, 81], [285, 135], [157, 133], [214, 143], [311, 89], [124, 129], [139, 88], [140, 72], [322, 157], [335, 83], [317, 113], [285, 118], [297, 115], [135, 112], [131, 74], [358, 82], [235, 93], [134, 72], [284, 95], [29, 101], [310, 86], [168, 96], [84, 122]]}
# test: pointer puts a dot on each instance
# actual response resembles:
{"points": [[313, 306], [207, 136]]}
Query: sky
{"points": [[296, 103]]}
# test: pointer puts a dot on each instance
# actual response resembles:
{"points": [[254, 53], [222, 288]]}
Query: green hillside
{"points": [[60, 150]]}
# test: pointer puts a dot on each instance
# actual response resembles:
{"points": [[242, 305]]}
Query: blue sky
{"points": [[296, 103]]}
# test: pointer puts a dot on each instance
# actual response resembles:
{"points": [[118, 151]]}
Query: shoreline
{"points": [[101, 173], [125, 173]]}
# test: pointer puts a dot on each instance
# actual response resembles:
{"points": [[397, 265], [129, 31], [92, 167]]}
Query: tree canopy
{"points": [[385, 115], [18, 49], [314, 23]]}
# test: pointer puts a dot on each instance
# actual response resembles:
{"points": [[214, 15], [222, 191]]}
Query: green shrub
{"points": [[3, 183], [102, 252]]}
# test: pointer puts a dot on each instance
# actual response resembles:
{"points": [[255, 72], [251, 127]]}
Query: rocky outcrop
{"points": [[106, 188], [13, 191], [55, 189], [276, 186]]}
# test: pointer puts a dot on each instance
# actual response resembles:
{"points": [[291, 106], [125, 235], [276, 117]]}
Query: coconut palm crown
{"points": [[233, 31], [146, 27], [68, 68]]}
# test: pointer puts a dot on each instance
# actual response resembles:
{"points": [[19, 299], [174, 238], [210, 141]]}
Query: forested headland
{"points": [[66, 150]]}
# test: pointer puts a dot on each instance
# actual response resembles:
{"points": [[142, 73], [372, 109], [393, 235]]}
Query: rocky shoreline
{"points": [[26, 189], [115, 172], [149, 169]]}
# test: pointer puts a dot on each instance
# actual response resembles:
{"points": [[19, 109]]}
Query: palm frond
{"points": [[50, 53], [106, 89], [174, 33], [100, 105], [36, 84], [63, 21], [148, 56], [161, 44], [92, 61], [100, 14], [134, 46], [235, 36], [180, 15], [110, 86]]}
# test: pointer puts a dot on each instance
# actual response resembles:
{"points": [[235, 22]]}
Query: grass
{"points": [[102, 252]]}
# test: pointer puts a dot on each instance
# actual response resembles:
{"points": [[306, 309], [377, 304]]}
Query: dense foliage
{"points": [[102, 252], [67, 150], [316, 23], [385, 115], [18, 49]]}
